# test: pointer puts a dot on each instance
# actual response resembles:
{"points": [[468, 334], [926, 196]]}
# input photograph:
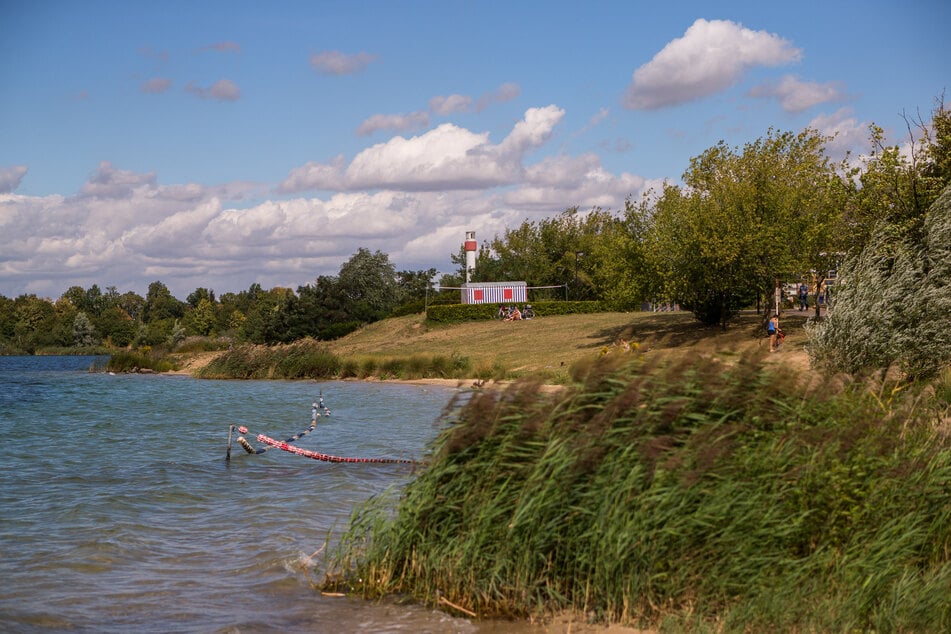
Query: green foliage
{"points": [[368, 282], [304, 359], [115, 325], [160, 304], [690, 495], [84, 334], [309, 360], [203, 344], [459, 313], [893, 305], [201, 319], [565, 249], [126, 361], [745, 218], [338, 329]]}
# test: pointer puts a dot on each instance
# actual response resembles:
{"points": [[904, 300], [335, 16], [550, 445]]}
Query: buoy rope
{"points": [[284, 446], [251, 450]]}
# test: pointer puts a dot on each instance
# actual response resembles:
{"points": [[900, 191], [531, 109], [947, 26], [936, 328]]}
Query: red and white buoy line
{"points": [[316, 455], [285, 445]]}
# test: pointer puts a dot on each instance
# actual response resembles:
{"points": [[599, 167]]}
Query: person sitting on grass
{"points": [[515, 315]]}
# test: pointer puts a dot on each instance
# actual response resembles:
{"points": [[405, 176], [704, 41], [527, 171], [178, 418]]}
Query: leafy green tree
{"points": [[564, 250], [35, 323], [744, 219], [368, 283], [84, 334], [8, 319], [161, 305], [95, 301], [133, 305], [76, 295], [194, 298], [620, 267], [202, 319], [266, 321], [115, 326], [413, 285], [64, 314]]}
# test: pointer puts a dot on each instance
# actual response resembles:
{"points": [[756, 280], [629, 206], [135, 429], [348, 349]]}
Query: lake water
{"points": [[119, 512]]}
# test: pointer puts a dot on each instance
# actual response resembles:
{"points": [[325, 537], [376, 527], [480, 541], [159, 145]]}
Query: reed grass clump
{"points": [[305, 359], [134, 361], [679, 495], [311, 360]]}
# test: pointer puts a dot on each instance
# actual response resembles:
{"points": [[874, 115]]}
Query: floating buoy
{"points": [[244, 443], [243, 429]]}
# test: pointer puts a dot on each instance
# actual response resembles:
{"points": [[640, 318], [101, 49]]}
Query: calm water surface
{"points": [[119, 513]]}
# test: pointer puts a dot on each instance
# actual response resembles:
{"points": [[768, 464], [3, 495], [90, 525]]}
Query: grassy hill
{"points": [[549, 345], [546, 347]]}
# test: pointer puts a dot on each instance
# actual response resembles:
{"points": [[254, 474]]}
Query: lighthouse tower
{"points": [[471, 248]]}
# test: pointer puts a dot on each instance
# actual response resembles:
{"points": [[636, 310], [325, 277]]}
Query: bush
{"points": [[892, 304], [131, 361], [459, 313], [305, 359], [203, 344]]}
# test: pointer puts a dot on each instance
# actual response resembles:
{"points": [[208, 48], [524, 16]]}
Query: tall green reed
{"points": [[687, 494]]}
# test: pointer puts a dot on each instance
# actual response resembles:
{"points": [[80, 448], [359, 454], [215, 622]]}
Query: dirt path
{"points": [[191, 363]]}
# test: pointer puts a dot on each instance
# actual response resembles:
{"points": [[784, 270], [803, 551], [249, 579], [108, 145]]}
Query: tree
{"points": [[368, 283], [202, 319], [84, 334], [744, 219], [266, 320], [160, 304], [892, 304], [115, 326], [565, 249], [35, 323], [194, 298], [8, 319], [413, 285], [132, 304], [620, 267]]}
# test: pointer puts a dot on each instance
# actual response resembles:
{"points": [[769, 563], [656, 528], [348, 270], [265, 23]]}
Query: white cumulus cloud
{"points": [[711, 56], [795, 95], [445, 158]]}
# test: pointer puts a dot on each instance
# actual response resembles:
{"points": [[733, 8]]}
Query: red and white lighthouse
{"points": [[471, 248]]}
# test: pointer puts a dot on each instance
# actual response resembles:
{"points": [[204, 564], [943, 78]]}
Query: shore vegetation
{"points": [[676, 493]]}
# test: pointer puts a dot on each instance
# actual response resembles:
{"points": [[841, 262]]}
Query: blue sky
{"points": [[220, 144]]}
